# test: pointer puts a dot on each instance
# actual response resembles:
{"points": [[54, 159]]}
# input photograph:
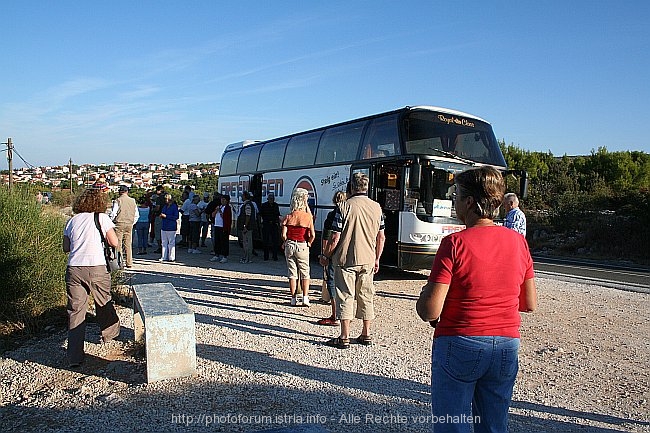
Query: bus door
{"points": [[384, 187], [255, 188], [388, 179]]}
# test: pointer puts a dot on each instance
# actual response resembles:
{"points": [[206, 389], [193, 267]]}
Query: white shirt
{"points": [[184, 208], [202, 205], [218, 217], [86, 247]]}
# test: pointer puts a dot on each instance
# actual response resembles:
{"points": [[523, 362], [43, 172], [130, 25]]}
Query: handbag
{"points": [[112, 256], [325, 292]]}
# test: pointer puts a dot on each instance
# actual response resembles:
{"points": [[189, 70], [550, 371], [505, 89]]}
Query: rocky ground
{"points": [[262, 364]]}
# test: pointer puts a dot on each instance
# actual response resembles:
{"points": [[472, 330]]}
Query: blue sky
{"points": [[176, 81]]}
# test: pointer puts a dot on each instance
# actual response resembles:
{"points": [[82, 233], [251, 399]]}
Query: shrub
{"points": [[32, 262], [596, 226]]}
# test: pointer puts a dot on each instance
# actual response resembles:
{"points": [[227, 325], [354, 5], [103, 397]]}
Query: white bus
{"points": [[411, 156]]}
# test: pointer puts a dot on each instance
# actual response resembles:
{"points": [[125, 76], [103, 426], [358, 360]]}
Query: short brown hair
{"points": [[90, 200], [486, 186], [338, 197], [359, 182]]}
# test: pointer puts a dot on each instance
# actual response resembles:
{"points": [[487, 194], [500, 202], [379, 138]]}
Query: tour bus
{"points": [[410, 155]]}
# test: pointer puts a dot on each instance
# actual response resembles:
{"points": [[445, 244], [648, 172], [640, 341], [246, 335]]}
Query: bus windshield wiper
{"points": [[453, 156]]}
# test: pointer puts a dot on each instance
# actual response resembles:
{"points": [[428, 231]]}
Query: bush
{"points": [[596, 226], [32, 262]]}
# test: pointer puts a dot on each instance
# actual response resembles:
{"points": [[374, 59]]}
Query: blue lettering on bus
{"points": [[235, 188], [275, 186]]}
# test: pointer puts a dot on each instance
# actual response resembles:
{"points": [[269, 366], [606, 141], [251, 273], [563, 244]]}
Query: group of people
{"points": [[481, 279], [155, 219], [353, 242]]}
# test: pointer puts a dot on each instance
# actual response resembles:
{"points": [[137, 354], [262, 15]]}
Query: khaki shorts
{"points": [[355, 283], [297, 254]]}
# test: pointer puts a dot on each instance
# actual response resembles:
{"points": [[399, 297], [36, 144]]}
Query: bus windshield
{"points": [[435, 194], [441, 134]]}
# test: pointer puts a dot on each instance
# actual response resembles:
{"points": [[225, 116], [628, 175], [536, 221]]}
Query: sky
{"points": [[176, 81]]}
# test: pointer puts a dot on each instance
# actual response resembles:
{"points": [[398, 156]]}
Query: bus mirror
{"points": [[414, 175], [523, 181], [523, 184]]}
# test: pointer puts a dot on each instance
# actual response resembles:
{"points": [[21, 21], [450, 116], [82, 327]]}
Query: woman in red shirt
{"points": [[481, 278], [297, 235]]}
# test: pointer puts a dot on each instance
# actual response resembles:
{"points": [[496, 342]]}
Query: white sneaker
{"points": [[294, 302], [223, 260], [190, 250], [214, 259], [160, 260], [195, 251], [305, 301]]}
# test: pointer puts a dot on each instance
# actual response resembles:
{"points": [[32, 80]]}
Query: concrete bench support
{"points": [[166, 324]]}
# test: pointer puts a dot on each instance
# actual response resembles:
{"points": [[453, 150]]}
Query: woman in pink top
{"points": [[297, 235], [482, 277]]}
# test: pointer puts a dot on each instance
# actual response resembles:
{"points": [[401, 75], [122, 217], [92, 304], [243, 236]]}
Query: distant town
{"points": [[119, 173]]}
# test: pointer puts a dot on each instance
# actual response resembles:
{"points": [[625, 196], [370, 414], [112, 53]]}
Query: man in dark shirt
{"points": [[212, 205], [270, 213], [158, 205], [216, 201]]}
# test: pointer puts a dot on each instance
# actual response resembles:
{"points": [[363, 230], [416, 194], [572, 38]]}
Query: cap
{"points": [[103, 187], [123, 188], [206, 195]]}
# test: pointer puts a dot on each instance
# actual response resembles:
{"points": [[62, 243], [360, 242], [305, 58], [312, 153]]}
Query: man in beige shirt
{"points": [[124, 214], [354, 248]]}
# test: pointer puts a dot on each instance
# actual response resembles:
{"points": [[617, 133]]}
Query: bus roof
{"points": [[245, 143], [240, 144]]}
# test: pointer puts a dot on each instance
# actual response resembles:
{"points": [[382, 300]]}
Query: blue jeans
{"points": [[471, 383], [142, 229]]}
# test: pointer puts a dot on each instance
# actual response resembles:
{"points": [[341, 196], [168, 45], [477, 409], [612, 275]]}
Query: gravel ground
{"points": [[263, 365]]}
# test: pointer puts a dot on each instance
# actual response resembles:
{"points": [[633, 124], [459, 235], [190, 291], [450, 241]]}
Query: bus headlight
{"points": [[426, 238]]}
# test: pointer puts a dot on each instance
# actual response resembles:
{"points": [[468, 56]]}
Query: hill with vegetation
{"points": [[595, 206]]}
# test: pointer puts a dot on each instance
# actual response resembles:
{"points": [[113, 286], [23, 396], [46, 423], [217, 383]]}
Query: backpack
{"points": [[241, 219]]}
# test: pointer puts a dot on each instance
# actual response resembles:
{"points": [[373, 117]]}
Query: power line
{"points": [[13, 149], [23, 159]]}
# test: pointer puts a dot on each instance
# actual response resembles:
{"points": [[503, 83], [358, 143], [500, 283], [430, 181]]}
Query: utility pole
{"points": [[10, 148], [70, 166]]}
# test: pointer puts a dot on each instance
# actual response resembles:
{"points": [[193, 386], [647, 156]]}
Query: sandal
{"points": [[366, 340], [338, 342], [328, 321]]}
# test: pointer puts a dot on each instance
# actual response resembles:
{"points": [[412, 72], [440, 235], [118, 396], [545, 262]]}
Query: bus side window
{"points": [[301, 150], [382, 138], [229, 163], [340, 144], [272, 155], [248, 159]]}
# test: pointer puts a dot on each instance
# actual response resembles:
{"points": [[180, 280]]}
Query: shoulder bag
{"points": [[112, 256]]}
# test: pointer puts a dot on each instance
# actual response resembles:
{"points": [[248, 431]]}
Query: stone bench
{"points": [[165, 323]]}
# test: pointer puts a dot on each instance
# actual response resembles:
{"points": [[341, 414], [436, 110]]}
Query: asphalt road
{"points": [[616, 276], [631, 278]]}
